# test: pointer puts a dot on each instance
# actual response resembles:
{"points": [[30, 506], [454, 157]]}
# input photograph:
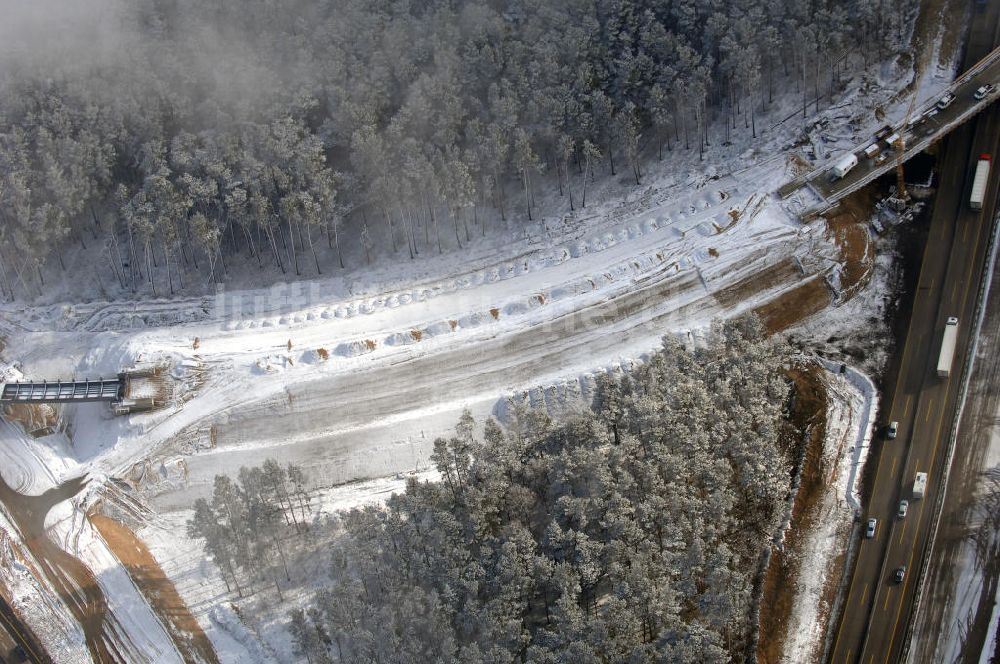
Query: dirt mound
{"points": [[158, 590]]}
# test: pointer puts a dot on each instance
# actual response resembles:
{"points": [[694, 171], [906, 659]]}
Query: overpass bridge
{"points": [[927, 126], [76, 391]]}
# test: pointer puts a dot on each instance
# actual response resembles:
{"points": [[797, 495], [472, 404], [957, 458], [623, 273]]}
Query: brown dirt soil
{"points": [[416, 334], [944, 18], [808, 420], [783, 270], [495, 313], [36, 419], [794, 305], [158, 590], [849, 229]]}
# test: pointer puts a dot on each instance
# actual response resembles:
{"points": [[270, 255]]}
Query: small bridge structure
{"points": [[928, 125], [74, 391]]}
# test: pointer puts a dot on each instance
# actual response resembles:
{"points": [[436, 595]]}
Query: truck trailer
{"points": [[844, 165], [947, 347], [979, 182], [919, 485]]}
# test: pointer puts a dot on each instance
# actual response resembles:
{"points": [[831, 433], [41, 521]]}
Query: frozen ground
{"points": [[849, 418], [353, 377]]}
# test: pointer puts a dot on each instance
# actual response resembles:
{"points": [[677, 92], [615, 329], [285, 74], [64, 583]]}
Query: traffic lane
{"points": [[860, 603], [958, 299], [25, 646], [853, 628], [828, 187]]}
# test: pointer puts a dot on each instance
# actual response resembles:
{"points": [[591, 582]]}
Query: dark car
{"points": [[900, 574]]}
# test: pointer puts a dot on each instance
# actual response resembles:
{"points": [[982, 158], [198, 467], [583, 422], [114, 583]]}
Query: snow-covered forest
{"points": [[180, 135], [632, 533]]}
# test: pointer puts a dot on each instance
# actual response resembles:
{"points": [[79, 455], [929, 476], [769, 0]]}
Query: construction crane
{"points": [[900, 148]]}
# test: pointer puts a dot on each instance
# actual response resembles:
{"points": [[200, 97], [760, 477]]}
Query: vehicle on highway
{"points": [[879, 160], [948, 341], [900, 574], [872, 150], [904, 505], [844, 165], [979, 182], [870, 530], [983, 91], [892, 140], [945, 101], [883, 132], [919, 485], [892, 430]]}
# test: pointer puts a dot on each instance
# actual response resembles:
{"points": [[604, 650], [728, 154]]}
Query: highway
{"points": [[17, 642], [877, 610]]}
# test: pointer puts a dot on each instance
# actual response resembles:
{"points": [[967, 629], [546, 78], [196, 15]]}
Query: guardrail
{"points": [[786, 189], [62, 391], [970, 357]]}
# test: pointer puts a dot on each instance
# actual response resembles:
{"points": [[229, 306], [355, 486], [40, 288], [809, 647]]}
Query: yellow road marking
{"points": [[937, 440], [930, 406], [893, 470], [885, 604], [878, 466], [864, 594], [15, 632], [908, 400], [902, 532]]}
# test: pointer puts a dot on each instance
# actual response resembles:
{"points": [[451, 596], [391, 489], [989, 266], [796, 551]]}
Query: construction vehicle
{"points": [[844, 165]]}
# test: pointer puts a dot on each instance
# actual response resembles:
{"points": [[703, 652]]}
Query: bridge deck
{"points": [[62, 391]]}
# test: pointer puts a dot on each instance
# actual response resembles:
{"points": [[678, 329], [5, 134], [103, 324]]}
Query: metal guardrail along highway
{"points": [[928, 128], [63, 391]]}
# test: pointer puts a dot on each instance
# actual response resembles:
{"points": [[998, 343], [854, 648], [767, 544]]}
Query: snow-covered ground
{"points": [[849, 418], [353, 377]]}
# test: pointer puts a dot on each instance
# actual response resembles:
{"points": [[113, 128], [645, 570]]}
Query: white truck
{"points": [[979, 182], [919, 485], [947, 347], [844, 165]]}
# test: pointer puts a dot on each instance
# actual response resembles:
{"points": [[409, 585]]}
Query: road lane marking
{"points": [[885, 605], [900, 377], [954, 291], [902, 532], [906, 412], [893, 470], [902, 591], [15, 633], [864, 594], [930, 406]]}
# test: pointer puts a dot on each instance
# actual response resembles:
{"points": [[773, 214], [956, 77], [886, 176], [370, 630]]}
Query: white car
{"points": [[945, 101], [870, 530], [903, 506], [891, 430], [983, 91]]}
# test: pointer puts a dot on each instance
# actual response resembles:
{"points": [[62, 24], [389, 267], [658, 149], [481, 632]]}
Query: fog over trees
{"points": [[183, 135], [630, 534]]}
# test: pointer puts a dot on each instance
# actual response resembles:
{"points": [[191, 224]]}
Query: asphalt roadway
{"points": [[17, 642], [877, 610]]}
